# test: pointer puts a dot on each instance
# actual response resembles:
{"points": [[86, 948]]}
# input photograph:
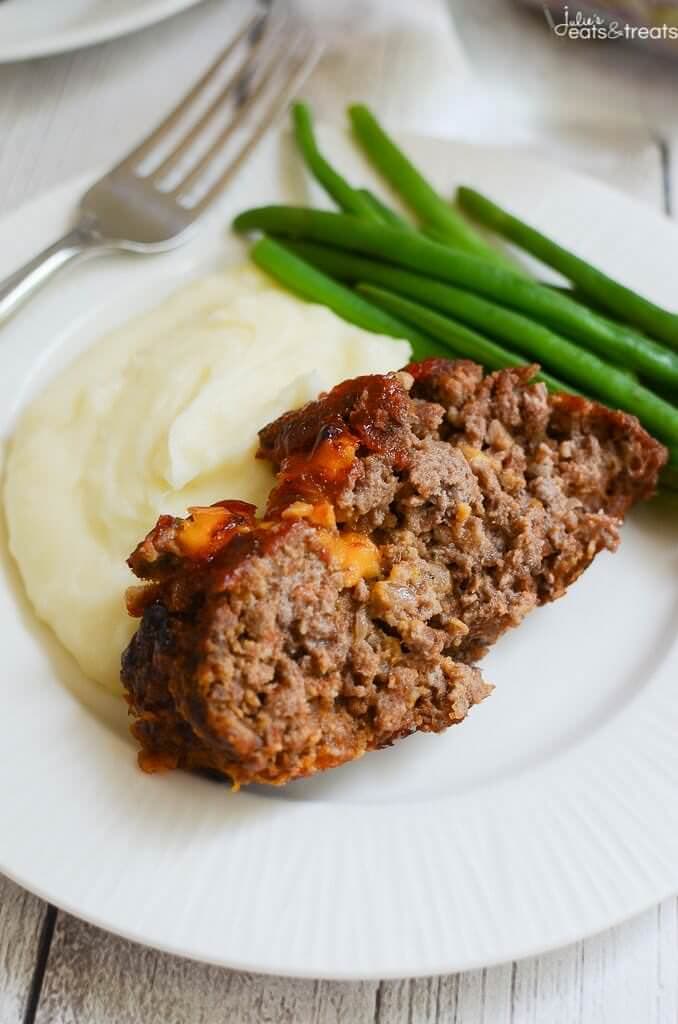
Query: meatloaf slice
{"points": [[416, 516]]}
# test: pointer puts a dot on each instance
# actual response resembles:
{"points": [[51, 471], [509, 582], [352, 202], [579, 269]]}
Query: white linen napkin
{"points": [[402, 58], [406, 60]]}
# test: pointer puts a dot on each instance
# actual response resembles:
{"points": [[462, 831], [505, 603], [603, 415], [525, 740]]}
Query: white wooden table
{"points": [[602, 109]]}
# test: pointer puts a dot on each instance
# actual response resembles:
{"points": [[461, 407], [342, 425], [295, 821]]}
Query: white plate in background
{"points": [[37, 28], [550, 814]]}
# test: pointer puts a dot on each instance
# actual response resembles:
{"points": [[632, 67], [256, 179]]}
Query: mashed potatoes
{"points": [[156, 416]]}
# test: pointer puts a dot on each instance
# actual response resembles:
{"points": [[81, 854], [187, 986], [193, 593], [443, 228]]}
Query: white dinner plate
{"points": [[550, 814], [36, 28]]}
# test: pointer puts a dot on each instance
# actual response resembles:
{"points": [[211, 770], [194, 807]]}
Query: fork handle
{"points": [[20, 285]]}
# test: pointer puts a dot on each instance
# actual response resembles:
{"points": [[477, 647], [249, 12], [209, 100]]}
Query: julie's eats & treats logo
{"points": [[580, 25]]}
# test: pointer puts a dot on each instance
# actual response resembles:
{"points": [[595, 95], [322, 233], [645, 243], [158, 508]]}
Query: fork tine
{"points": [[256, 22], [215, 106], [265, 75], [293, 82]]}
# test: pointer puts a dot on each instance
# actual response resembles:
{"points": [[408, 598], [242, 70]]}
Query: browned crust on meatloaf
{"points": [[285, 673], [470, 499]]}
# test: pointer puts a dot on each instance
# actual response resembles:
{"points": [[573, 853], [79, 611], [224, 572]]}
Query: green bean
{"points": [[345, 196], [412, 187], [572, 292], [311, 284], [385, 213], [466, 343], [411, 249], [465, 306], [613, 296], [584, 300], [469, 344], [669, 474], [435, 234], [578, 296], [667, 394], [582, 368]]}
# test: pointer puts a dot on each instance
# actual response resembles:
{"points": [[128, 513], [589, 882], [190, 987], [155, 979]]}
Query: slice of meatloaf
{"points": [[416, 517]]}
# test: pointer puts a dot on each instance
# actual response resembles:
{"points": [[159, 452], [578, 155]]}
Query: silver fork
{"points": [[150, 212]]}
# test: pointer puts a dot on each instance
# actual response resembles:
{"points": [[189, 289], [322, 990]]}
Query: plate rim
{"points": [[82, 37]]}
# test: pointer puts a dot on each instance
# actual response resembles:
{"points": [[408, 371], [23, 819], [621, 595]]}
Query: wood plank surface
{"points": [[94, 977], [22, 919], [626, 974]]}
